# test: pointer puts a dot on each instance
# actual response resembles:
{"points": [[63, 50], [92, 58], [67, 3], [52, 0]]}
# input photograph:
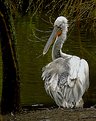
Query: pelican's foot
{"points": [[80, 103]]}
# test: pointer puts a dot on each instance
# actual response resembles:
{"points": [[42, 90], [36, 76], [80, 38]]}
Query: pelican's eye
{"points": [[59, 27]]}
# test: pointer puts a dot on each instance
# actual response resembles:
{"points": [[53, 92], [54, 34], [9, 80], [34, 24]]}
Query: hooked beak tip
{"points": [[44, 53]]}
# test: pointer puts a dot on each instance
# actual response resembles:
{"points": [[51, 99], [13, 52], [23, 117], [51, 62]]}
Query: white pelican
{"points": [[67, 76]]}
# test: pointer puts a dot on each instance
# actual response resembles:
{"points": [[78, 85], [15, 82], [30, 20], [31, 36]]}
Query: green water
{"points": [[31, 38], [29, 49]]}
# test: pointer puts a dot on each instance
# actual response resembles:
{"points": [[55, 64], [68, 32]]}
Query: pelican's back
{"points": [[63, 82]]}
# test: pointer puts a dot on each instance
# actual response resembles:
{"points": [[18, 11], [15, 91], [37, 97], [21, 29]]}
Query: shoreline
{"points": [[53, 114]]}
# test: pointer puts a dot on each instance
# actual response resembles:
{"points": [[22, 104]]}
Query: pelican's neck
{"points": [[56, 50]]}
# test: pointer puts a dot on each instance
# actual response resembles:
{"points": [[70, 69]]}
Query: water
{"points": [[31, 38], [29, 49]]}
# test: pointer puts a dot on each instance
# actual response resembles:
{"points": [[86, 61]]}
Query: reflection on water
{"points": [[31, 39]]}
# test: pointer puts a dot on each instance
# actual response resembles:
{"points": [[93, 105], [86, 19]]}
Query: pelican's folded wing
{"points": [[66, 79]]}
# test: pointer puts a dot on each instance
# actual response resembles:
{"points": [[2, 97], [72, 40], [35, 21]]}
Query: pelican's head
{"points": [[60, 25], [61, 22]]}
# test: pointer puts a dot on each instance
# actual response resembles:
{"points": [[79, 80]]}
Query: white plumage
{"points": [[66, 78]]}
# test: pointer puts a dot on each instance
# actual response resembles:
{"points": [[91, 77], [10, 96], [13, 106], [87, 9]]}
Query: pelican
{"points": [[66, 78]]}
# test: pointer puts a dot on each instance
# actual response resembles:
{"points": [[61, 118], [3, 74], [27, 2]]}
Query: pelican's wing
{"points": [[55, 75], [78, 78], [66, 79]]}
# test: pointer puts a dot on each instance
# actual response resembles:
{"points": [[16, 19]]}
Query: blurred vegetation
{"points": [[82, 12]]}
